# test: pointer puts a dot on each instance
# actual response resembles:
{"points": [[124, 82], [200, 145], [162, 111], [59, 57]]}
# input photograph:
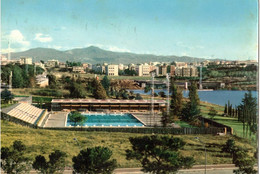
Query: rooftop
{"points": [[104, 101]]}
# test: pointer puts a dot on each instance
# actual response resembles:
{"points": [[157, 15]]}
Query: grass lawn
{"points": [[232, 122], [45, 141]]}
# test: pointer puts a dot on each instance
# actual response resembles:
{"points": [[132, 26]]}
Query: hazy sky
{"points": [[224, 29]]}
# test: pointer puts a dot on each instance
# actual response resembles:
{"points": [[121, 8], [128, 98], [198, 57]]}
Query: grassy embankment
{"points": [[45, 141], [232, 122]]}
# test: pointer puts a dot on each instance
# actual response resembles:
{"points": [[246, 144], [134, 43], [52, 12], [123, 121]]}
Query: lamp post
{"points": [[168, 90], [75, 139], [197, 138]]}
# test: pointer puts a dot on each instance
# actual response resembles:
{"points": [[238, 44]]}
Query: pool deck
{"points": [[57, 119]]}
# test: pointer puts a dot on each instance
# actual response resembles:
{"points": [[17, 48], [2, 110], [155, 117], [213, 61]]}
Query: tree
{"points": [[52, 81], [192, 110], [229, 147], [138, 97], [147, 89], [77, 118], [225, 110], [77, 90], [17, 79], [7, 96], [105, 83], [13, 159], [248, 114], [158, 154], [98, 90], [212, 112], [162, 94], [94, 160], [55, 164], [166, 119], [243, 161], [176, 100]]}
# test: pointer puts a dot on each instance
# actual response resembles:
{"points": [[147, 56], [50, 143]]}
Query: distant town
{"points": [[179, 70]]}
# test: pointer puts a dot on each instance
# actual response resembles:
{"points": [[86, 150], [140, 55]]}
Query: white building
{"points": [[112, 70], [25, 60], [52, 63]]}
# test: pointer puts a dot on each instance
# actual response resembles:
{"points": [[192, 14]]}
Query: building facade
{"points": [[112, 70]]}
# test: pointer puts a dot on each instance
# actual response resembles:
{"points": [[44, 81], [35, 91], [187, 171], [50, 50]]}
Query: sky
{"points": [[226, 29]]}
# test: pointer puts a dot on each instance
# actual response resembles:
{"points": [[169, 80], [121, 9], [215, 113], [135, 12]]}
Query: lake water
{"points": [[219, 97]]}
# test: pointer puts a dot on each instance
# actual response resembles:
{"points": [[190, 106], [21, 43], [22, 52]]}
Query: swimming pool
{"points": [[110, 120]]}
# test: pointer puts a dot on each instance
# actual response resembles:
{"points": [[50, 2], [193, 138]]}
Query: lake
{"points": [[219, 97]]}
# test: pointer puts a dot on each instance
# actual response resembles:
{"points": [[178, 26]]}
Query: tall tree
{"points": [[105, 83], [249, 114], [192, 110], [77, 90], [17, 79], [176, 100], [13, 159], [158, 154], [55, 164], [94, 161], [98, 90]]}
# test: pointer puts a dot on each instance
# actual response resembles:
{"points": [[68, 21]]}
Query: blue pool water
{"points": [[109, 120]]}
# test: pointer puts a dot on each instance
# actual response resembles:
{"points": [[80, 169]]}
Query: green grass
{"points": [[231, 122], [37, 99], [44, 142]]}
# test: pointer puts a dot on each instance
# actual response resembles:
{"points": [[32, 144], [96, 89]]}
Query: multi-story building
{"points": [[112, 70], [143, 70], [52, 63], [39, 64], [78, 69], [181, 64], [163, 70], [186, 72], [172, 70], [62, 65], [25, 60]]}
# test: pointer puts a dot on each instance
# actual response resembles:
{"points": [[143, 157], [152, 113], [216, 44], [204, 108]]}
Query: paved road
{"points": [[198, 169]]}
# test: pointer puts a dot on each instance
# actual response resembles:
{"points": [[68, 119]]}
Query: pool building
{"points": [[111, 105]]}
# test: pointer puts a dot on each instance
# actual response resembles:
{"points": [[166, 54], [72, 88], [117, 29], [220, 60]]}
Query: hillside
{"points": [[96, 55]]}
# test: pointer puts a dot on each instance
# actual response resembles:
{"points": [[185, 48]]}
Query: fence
{"points": [[161, 130]]}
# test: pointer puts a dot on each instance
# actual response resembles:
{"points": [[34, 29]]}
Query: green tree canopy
{"points": [[13, 159], [105, 83], [77, 118], [94, 161], [7, 96], [98, 90], [158, 154], [56, 163], [77, 90], [192, 110]]}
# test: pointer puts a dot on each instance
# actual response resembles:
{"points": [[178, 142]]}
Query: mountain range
{"points": [[95, 55]]}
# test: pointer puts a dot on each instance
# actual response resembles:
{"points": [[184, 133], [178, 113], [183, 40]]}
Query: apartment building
{"points": [[78, 69], [52, 63], [143, 70], [112, 70], [25, 60]]}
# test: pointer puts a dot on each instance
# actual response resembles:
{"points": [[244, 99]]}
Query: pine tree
{"points": [[98, 92], [192, 110], [176, 101], [225, 111]]}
